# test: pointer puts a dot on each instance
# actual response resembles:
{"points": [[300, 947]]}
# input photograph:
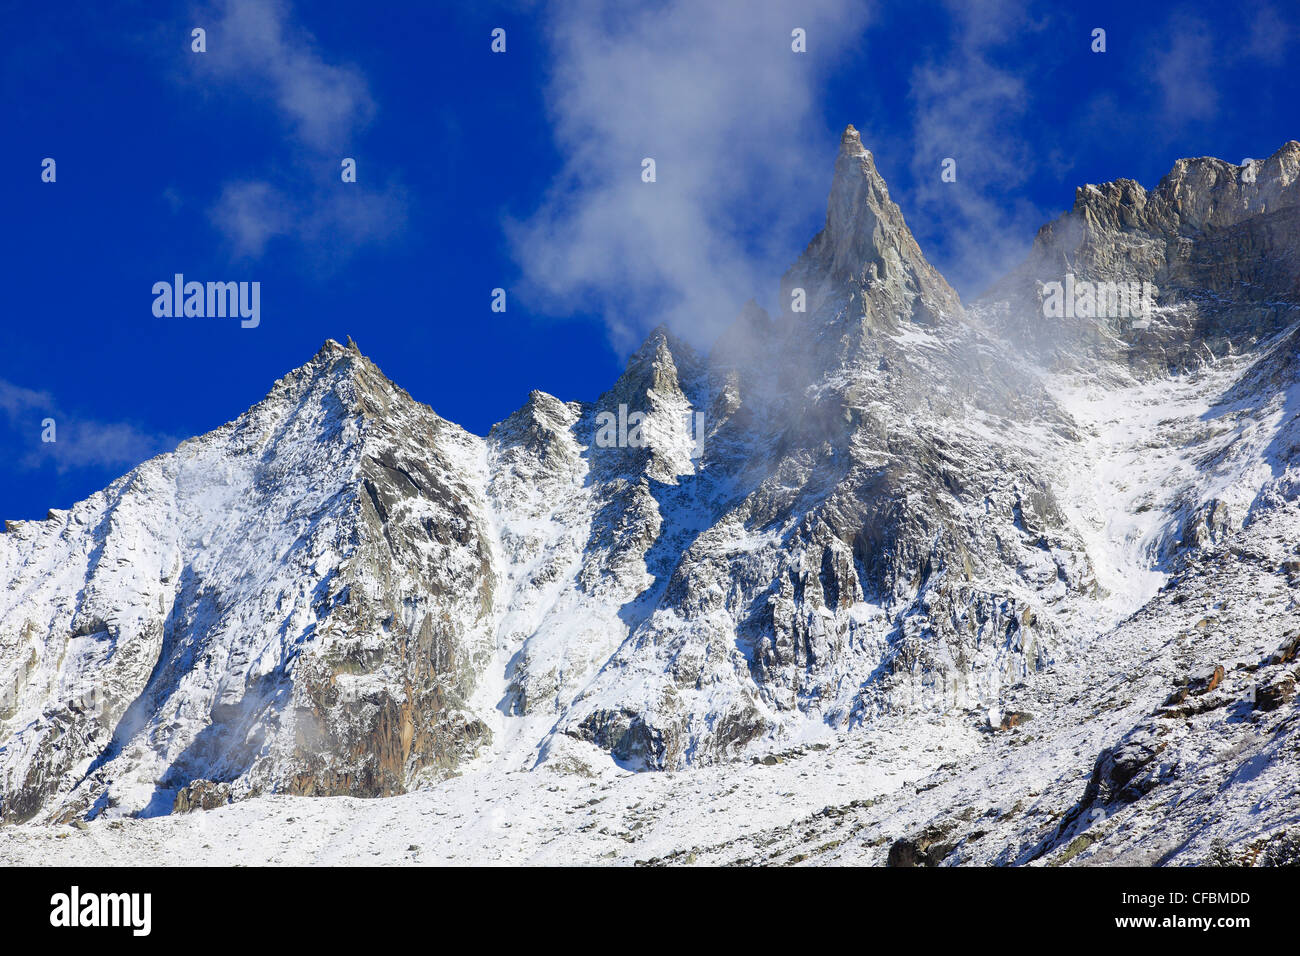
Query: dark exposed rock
{"points": [[1123, 773], [1275, 693], [1208, 525], [1013, 718], [1288, 651], [201, 795], [1196, 687], [927, 848]]}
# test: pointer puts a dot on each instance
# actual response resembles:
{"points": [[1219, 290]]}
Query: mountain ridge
{"points": [[897, 511]]}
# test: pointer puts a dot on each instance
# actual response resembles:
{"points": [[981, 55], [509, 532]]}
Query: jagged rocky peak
{"points": [[1212, 247], [859, 209], [660, 355], [1197, 194], [658, 373], [535, 443], [867, 249], [542, 411], [645, 417], [353, 386], [333, 368]]}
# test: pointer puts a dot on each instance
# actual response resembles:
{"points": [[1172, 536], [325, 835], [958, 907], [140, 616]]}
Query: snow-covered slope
{"points": [[298, 602], [891, 578]]}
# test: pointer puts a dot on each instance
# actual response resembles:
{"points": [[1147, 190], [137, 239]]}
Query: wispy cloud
{"points": [[966, 107], [1270, 36], [16, 401], [333, 219], [80, 442], [1178, 70], [256, 48], [250, 214], [1175, 89], [253, 44], [715, 96]]}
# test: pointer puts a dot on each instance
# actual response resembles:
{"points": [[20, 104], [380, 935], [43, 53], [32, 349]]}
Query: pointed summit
{"points": [[664, 380], [659, 339], [657, 363], [860, 214], [851, 142], [867, 246]]}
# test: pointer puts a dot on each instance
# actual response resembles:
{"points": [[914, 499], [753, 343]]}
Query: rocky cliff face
{"points": [[1218, 242], [880, 505]]}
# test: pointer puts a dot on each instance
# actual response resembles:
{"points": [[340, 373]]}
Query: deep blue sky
{"points": [[466, 157]]}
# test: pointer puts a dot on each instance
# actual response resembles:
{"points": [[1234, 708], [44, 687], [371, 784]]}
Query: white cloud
{"points": [[1182, 75], [1270, 37], [250, 214], [254, 47], [16, 401], [333, 219], [966, 107], [715, 95], [80, 443], [252, 43]]}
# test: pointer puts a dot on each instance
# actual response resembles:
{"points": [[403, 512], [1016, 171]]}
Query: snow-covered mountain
{"points": [[1040, 563]]}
